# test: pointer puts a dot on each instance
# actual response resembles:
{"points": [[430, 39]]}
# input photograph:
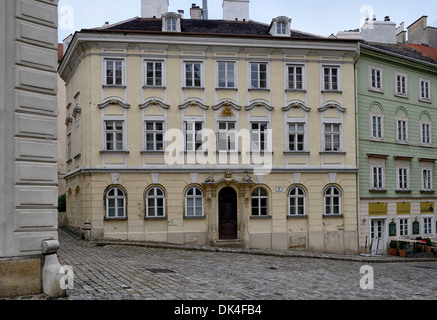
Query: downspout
{"points": [[357, 143]]}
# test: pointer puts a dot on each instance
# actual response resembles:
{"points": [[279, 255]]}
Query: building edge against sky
{"points": [[169, 78]]}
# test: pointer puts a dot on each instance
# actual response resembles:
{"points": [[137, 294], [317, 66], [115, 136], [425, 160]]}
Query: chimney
{"points": [[195, 12], [380, 31], [181, 13], [154, 8], [236, 10]]}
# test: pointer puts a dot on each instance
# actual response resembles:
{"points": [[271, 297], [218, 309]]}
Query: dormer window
{"points": [[280, 27], [171, 22]]}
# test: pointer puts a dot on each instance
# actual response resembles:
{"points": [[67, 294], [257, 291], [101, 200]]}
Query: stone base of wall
{"points": [[20, 276]]}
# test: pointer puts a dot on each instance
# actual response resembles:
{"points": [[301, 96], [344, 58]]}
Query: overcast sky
{"points": [[319, 17]]}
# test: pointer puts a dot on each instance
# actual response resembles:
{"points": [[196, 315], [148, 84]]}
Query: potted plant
{"points": [[393, 248], [428, 245], [403, 249]]}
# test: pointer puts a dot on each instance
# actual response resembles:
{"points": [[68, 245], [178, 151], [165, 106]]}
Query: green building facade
{"points": [[397, 142]]}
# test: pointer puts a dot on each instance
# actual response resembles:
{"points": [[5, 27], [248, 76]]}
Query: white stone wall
{"points": [[28, 125]]}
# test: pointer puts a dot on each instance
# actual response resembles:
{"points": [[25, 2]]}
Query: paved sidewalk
{"points": [[114, 270]]}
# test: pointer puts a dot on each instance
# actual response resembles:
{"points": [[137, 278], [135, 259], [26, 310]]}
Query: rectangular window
{"points": [[403, 179], [154, 73], [114, 135], [376, 79], [154, 135], [171, 24], [258, 75], [227, 136], [258, 134], [114, 72], [295, 78], [226, 74], [402, 130], [378, 178], [401, 84], [427, 223], [332, 137], [193, 74], [69, 147], [426, 133], [425, 90], [331, 78], [296, 136], [194, 135], [377, 127], [427, 179], [403, 227]]}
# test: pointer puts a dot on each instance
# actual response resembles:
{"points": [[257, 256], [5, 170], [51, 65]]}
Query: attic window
{"points": [[171, 24], [281, 27]]}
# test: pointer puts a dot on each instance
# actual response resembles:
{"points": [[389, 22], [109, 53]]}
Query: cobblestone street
{"points": [[125, 272]]}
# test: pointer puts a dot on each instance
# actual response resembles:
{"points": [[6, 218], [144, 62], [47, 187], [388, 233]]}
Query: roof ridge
{"points": [[106, 26]]}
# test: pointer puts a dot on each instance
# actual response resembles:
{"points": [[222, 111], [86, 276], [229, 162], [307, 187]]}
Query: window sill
{"points": [[403, 191], [403, 96], [332, 91], [427, 191], [193, 88], [259, 89], [194, 217], [296, 153], [114, 152], [332, 216], [154, 87], [228, 89], [115, 219], [376, 90], [155, 218], [260, 217], [425, 101], [297, 216], [151, 152], [296, 90], [116, 86], [377, 191], [335, 153]]}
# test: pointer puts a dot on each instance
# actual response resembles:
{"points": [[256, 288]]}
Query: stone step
{"points": [[229, 244]]}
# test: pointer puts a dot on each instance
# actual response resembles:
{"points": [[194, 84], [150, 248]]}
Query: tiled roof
{"points": [[401, 50], [208, 27], [425, 50]]}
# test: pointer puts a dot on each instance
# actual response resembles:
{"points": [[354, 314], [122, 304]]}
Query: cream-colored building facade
{"points": [[212, 132]]}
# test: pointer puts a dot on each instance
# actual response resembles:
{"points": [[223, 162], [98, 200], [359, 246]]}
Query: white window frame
{"points": [[281, 28], [331, 135], [228, 132], [295, 134], [372, 125], [425, 137], [331, 205], [401, 84], [227, 79], [171, 24], [296, 198], [425, 91], [258, 79], [403, 178], [329, 86], [193, 73], [69, 146], [114, 76], [195, 134], [154, 78], [431, 226], [378, 182], [295, 77], [257, 134], [427, 179], [258, 197], [404, 233], [115, 198], [196, 199], [155, 197], [404, 134], [155, 132], [374, 85], [114, 134]]}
